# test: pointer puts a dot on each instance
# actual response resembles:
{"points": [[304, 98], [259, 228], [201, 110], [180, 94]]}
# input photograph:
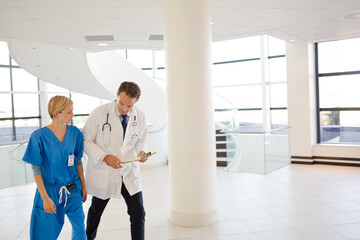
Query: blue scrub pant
{"points": [[48, 226], [135, 210]]}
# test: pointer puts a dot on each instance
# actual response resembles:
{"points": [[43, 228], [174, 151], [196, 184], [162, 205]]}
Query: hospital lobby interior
{"points": [[252, 108]]}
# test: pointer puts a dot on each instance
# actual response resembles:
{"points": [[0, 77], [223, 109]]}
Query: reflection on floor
{"points": [[296, 202]]}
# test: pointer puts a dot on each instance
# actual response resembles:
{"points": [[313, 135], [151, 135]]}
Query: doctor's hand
{"points": [[49, 205], [142, 153], [113, 161]]}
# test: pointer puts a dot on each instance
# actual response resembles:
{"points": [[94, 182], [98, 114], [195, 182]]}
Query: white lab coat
{"points": [[102, 180]]}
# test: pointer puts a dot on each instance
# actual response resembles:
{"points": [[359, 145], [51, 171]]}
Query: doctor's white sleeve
{"points": [[90, 131], [141, 140]]}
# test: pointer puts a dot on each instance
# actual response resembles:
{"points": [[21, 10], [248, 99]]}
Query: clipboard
{"points": [[134, 159]]}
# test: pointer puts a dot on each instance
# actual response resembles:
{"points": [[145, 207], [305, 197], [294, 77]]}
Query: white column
{"points": [[301, 98], [191, 128]]}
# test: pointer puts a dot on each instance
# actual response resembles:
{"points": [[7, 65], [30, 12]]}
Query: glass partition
{"points": [[14, 171], [254, 151]]}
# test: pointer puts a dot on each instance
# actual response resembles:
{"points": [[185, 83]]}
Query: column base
{"points": [[193, 220]]}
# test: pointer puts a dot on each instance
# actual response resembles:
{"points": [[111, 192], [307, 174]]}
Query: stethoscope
{"points": [[108, 124]]}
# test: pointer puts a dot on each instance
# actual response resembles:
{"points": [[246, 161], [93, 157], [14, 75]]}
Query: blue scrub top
{"points": [[44, 149]]}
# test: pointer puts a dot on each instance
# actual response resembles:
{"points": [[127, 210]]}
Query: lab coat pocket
{"points": [[100, 178], [106, 135]]}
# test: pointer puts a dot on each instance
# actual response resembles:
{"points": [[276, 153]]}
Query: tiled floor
{"points": [[314, 202]]}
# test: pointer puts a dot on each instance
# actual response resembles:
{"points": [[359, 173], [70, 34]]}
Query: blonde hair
{"points": [[58, 104]]}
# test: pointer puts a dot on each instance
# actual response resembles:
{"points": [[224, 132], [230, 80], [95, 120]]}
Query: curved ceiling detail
{"points": [[95, 74], [60, 66], [111, 70]]}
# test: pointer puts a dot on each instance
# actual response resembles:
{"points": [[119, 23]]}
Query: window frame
{"points": [[317, 92], [10, 67]]}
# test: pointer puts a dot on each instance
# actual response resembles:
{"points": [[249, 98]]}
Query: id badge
{"points": [[71, 160], [133, 139]]}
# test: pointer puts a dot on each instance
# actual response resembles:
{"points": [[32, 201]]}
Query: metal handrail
{"points": [[271, 131], [13, 142]]}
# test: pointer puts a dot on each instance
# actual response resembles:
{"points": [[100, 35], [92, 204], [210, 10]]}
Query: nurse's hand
{"points": [[142, 153], [113, 161], [84, 194], [49, 205]]}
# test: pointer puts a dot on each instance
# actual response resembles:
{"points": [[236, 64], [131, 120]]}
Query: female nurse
{"points": [[55, 153]]}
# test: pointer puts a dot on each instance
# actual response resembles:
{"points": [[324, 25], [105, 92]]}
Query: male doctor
{"points": [[114, 132]]}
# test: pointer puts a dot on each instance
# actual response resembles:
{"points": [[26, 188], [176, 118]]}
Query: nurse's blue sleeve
{"points": [[33, 151], [36, 170], [79, 162], [79, 148]]}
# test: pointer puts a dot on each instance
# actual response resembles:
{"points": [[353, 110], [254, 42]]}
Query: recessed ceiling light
{"points": [[99, 38], [292, 40], [352, 16], [102, 44], [71, 48], [211, 23], [156, 37]]}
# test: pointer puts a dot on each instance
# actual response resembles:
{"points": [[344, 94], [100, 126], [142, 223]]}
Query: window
{"points": [[26, 105], [6, 106], [236, 73], [25, 127], [232, 50], [79, 121], [277, 46], [19, 113], [238, 78], [277, 83], [24, 81], [146, 60], [140, 58], [338, 81], [84, 104], [242, 96], [5, 79], [339, 56], [6, 130], [4, 54]]}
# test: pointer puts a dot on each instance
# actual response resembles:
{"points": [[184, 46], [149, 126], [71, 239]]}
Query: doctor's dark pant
{"points": [[135, 210]]}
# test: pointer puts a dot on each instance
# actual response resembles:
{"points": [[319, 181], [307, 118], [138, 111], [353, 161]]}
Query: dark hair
{"points": [[131, 89]]}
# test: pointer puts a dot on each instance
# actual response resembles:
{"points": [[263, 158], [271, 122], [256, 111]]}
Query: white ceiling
{"points": [[66, 22]]}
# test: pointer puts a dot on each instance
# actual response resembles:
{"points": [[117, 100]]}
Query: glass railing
{"points": [[253, 150], [14, 171]]}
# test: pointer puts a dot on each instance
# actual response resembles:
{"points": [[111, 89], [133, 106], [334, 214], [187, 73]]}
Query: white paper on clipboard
{"points": [[133, 159]]}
